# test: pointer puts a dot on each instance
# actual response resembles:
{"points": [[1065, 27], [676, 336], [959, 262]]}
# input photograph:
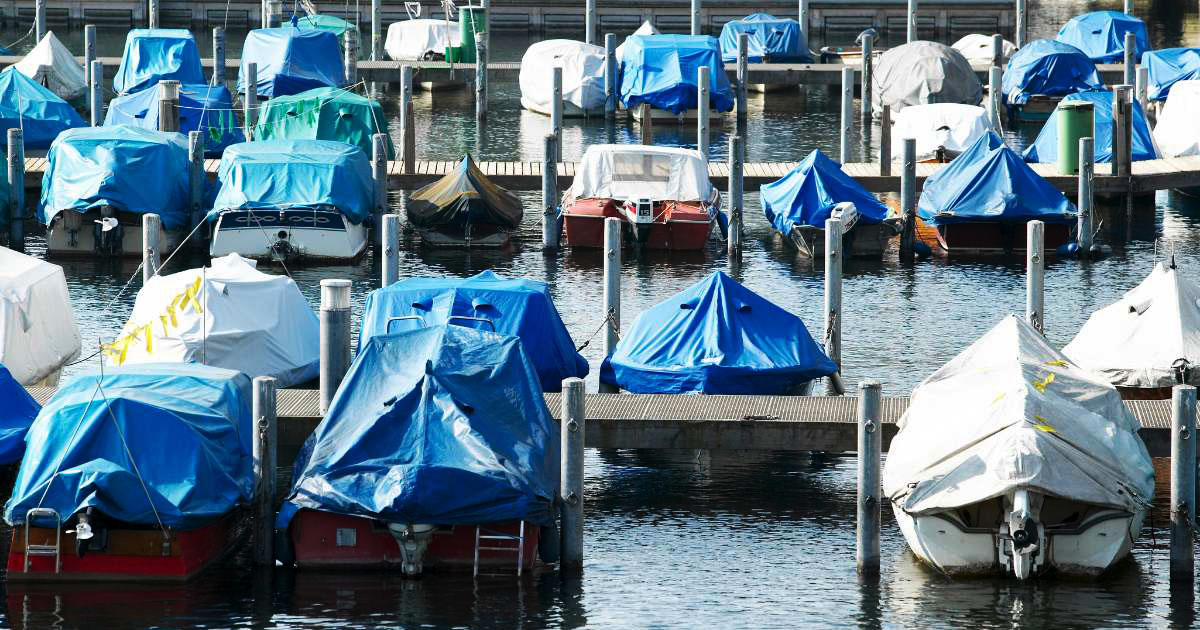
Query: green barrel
{"points": [[471, 20], [1074, 120]]}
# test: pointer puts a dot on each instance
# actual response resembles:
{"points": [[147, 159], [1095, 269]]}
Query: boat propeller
{"points": [[1022, 539], [413, 541]]}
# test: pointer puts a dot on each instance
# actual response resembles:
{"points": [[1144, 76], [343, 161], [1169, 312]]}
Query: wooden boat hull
{"points": [[686, 226], [989, 238], [73, 235], [863, 241]]}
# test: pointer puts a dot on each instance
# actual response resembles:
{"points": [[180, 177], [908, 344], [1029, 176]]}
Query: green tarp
{"points": [[324, 114]]}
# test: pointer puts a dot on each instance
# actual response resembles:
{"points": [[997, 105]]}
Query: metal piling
{"points": [[335, 338]]}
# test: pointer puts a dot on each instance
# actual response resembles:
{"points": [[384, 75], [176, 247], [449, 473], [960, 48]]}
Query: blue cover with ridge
{"points": [[41, 114], [188, 427], [807, 195], [443, 425], [152, 55], [1045, 148], [661, 70], [292, 60], [716, 337], [19, 411], [206, 108], [511, 306], [990, 182], [768, 40], [1048, 68], [1168, 66], [1101, 35]]}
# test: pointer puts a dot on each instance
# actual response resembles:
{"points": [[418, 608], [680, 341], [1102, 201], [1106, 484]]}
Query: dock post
{"points": [[390, 263], [833, 297], [1142, 86], [737, 159], [218, 73], [408, 129], [802, 17], [16, 177], [646, 127], [151, 256], [556, 112], [589, 22], [1035, 271], [574, 423], [39, 19], [95, 93], [250, 100], [376, 30], [885, 141], [1128, 7], [151, 14], [481, 87], [696, 17], [89, 52], [847, 114], [995, 88], [550, 229], [742, 75], [1019, 29], [868, 75], [869, 447], [908, 200], [196, 175], [379, 176], [610, 76], [1183, 483], [1122, 146], [912, 21], [350, 48], [1087, 165], [335, 338], [703, 79], [266, 431], [1130, 65], [612, 290], [997, 50], [168, 105]]}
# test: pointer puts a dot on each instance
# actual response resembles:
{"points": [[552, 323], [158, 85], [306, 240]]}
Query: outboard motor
{"points": [[641, 215], [413, 540], [281, 248], [87, 528], [1022, 541], [108, 234]]}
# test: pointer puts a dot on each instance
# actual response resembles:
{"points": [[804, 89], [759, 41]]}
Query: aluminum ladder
{"points": [[44, 550], [497, 538]]}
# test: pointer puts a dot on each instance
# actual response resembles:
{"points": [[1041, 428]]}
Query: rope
{"points": [[71, 440], [132, 462], [32, 28], [609, 320]]}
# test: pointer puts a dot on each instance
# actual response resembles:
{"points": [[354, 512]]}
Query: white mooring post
{"points": [[556, 112], [571, 429], [912, 21], [868, 74], [833, 298], [390, 265], [612, 290], [16, 175], [196, 175], [350, 62], [95, 93], [379, 177], [151, 228], [89, 51], [1130, 61], [802, 17], [481, 86], [152, 14], [995, 88], [908, 199], [250, 99], [695, 17], [1085, 201], [376, 30], [335, 338], [997, 50], [847, 114], [550, 231], [885, 141], [737, 161], [408, 126], [589, 22], [39, 19], [1127, 6], [610, 76], [870, 438], [1035, 271], [703, 78], [1142, 87], [743, 74], [1183, 484], [219, 70], [265, 463], [1019, 34], [168, 105]]}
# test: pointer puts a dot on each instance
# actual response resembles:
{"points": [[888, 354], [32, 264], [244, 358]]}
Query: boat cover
{"points": [[924, 72], [511, 306], [420, 39], [291, 60], [953, 126], [977, 48], [152, 55], [1166, 67], [634, 171], [443, 425], [716, 337], [129, 168], [25, 104], [1011, 412], [768, 40], [1137, 340], [331, 23], [18, 413], [807, 195], [295, 174], [464, 196], [990, 182], [1048, 68], [145, 444], [52, 65], [582, 75], [646, 28], [1177, 132], [205, 108], [324, 113], [661, 70], [1045, 148], [1101, 35], [38, 333], [229, 315]]}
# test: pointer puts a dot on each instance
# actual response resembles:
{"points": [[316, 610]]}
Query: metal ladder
{"points": [[44, 550], [482, 534]]}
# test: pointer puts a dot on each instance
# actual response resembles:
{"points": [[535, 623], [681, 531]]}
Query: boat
{"points": [[16, 417], [1045, 148], [663, 197], [1011, 460], [487, 301], [1101, 35], [582, 77], [99, 181], [645, 28], [977, 48], [204, 108], [980, 203], [292, 60], [98, 498], [228, 315], [154, 54], [438, 452], [39, 113], [1168, 66], [798, 204], [423, 39], [1177, 130], [942, 130], [293, 200], [325, 113], [768, 40], [922, 72], [324, 22], [38, 333], [465, 209], [1040, 74], [716, 337], [660, 71], [51, 65]]}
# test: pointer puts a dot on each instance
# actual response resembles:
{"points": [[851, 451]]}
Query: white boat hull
{"points": [[72, 234], [304, 235]]}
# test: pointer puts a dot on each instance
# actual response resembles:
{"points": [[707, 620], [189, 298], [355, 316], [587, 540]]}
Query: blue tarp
{"points": [[1048, 68], [807, 195], [1045, 148], [292, 60], [152, 55], [17, 414], [1168, 66], [206, 108], [990, 182], [443, 425], [1101, 35], [25, 104], [661, 70], [188, 427], [768, 40], [129, 168], [716, 337]]}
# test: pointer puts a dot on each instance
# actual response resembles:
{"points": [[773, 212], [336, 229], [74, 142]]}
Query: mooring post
{"points": [[16, 179], [995, 83], [868, 74], [250, 99], [168, 105], [743, 75], [39, 19], [1128, 7], [847, 114], [833, 297], [335, 338], [703, 77], [1183, 483], [1142, 88], [885, 141], [408, 128], [481, 87], [589, 22], [646, 127], [151, 14], [390, 242], [550, 229], [997, 50], [912, 20], [870, 441], [1130, 65], [1087, 166], [379, 177], [695, 17], [574, 423], [95, 93], [802, 17], [350, 62], [196, 175], [218, 72], [89, 52], [376, 30], [737, 159], [908, 199], [264, 14], [266, 432], [610, 76], [612, 290], [556, 111], [151, 228], [1019, 34], [1035, 272], [1122, 147]]}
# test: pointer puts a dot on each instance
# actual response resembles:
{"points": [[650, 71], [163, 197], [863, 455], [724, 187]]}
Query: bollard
{"points": [[408, 128], [1035, 271], [197, 178], [885, 141], [912, 21], [1019, 34], [908, 199], [997, 50], [481, 87], [390, 243], [742, 76], [335, 338], [589, 22], [1087, 166], [151, 228], [95, 94], [1128, 7], [218, 73], [995, 81], [1130, 62], [833, 297], [703, 78], [868, 75], [556, 113], [802, 17], [39, 19], [16, 177], [168, 105], [550, 229], [695, 17], [1183, 483], [646, 128], [376, 30], [1141, 88], [610, 76], [250, 99], [265, 463], [571, 430], [89, 52], [379, 176], [151, 14], [612, 290], [350, 60], [847, 114], [737, 159], [1122, 147], [870, 436]]}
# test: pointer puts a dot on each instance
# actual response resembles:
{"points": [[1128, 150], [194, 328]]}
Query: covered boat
{"points": [[582, 77], [923, 72], [798, 205], [52, 65], [421, 39], [1166, 67], [98, 183], [661, 71], [321, 22], [292, 60], [324, 113], [1012, 460], [662, 195], [1177, 132], [1045, 148], [464, 208], [437, 449], [768, 40], [977, 48], [942, 130], [229, 315], [1041, 73], [508, 306], [38, 112], [38, 333], [1101, 35], [646, 28], [136, 473], [15, 417], [154, 54], [204, 108], [982, 200], [293, 199], [716, 337]]}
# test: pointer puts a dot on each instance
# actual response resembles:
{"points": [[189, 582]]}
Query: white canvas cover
{"points": [[38, 333], [249, 321], [924, 72], [978, 48], [582, 75], [951, 125], [52, 65], [647, 28], [1177, 132], [1011, 412], [623, 171], [411, 39]]}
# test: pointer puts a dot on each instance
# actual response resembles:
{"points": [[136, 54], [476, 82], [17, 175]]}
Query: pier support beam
{"points": [[168, 105], [1035, 271], [612, 290], [870, 438], [743, 74], [481, 87], [218, 73], [868, 74], [1183, 483], [1019, 29], [833, 300], [1085, 200], [390, 244], [335, 338], [350, 61], [847, 114], [571, 430], [737, 160], [96, 93], [408, 128], [556, 112], [550, 229], [610, 76], [39, 20], [16, 192], [703, 78], [589, 22], [912, 21], [908, 200], [151, 256], [197, 178], [250, 100], [1130, 65], [265, 463], [379, 177], [376, 30], [885, 141]]}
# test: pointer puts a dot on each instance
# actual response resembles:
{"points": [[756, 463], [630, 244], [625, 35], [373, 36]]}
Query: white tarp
{"points": [[923, 72], [253, 322], [582, 75], [978, 48], [625, 171], [38, 333], [1011, 412], [411, 39], [1133, 341], [647, 28], [951, 125], [1177, 131], [52, 65]]}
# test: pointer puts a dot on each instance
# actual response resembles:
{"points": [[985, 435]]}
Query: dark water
{"points": [[686, 538]]}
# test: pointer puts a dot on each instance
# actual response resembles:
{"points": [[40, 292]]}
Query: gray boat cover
{"points": [[924, 72]]}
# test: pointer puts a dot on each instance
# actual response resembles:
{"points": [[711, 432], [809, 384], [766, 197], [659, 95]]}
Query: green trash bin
{"points": [[1075, 121]]}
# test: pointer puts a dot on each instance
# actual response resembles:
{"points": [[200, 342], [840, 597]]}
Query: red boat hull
{"points": [[677, 226], [992, 238]]}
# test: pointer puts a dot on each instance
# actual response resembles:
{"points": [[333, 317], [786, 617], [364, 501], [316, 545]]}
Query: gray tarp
{"points": [[924, 72]]}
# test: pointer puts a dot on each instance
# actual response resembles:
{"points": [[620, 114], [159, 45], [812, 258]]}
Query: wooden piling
{"points": [[1122, 145], [646, 127], [218, 72], [350, 60], [335, 338], [737, 160], [1035, 270], [390, 243], [868, 74], [556, 112], [16, 191], [263, 409], [743, 74], [408, 128], [912, 21], [168, 105], [870, 439], [250, 100], [1085, 201], [1130, 65], [151, 256], [96, 94], [610, 76], [550, 230], [481, 87], [612, 290], [571, 430], [885, 141], [1183, 483], [197, 178], [833, 297], [908, 200], [379, 177], [847, 123], [703, 79]]}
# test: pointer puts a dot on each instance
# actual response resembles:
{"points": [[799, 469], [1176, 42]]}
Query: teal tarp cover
{"points": [[1101, 35], [17, 414], [1045, 148], [1048, 68], [807, 195], [152, 55], [205, 108], [1168, 66], [179, 432], [291, 60], [331, 23], [26, 105], [324, 113], [661, 70], [768, 40]]}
